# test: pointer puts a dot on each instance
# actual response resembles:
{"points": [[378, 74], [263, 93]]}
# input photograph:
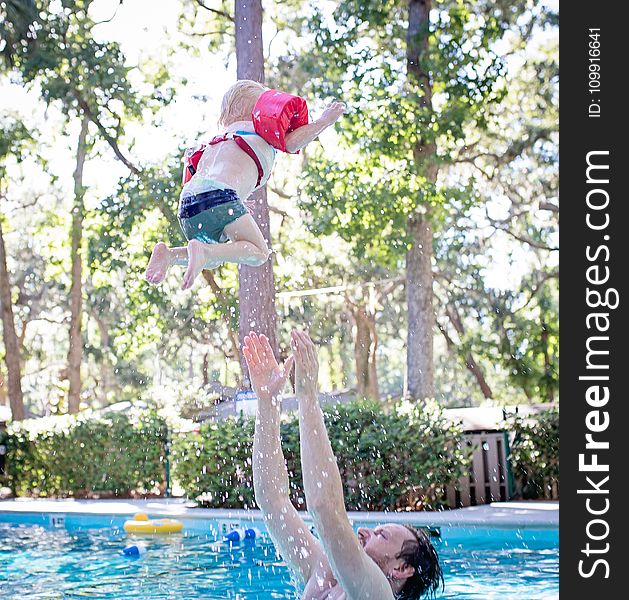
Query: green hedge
{"points": [[398, 458], [535, 456], [112, 454], [215, 463]]}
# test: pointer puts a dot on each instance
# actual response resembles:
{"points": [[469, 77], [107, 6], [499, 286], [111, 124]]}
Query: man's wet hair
{"points": [[421, 554]]}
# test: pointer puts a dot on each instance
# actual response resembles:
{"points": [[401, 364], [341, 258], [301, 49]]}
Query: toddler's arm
{"points": [[302, 136]]}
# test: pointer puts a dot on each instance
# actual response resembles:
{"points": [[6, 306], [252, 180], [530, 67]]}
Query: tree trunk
{"points": [[105, 364], [256, 295], [4, 396], [419, 351], [550, 395], [474, 369], [365, 344], [419, 278], [11, 346], [75, 351], [205, 368], [373, 388]]}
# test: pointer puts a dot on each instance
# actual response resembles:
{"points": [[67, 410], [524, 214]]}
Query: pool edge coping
{"points": [[503, 515]]}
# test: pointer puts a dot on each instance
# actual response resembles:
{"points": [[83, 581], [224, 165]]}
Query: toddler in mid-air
{"points": [[212, 214]]}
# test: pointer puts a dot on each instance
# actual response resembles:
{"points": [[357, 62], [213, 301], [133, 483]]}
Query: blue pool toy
{"points": [[136, 549], [242, 533]]}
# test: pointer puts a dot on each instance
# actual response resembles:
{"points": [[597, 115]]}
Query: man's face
{"points": [[384, 543]]}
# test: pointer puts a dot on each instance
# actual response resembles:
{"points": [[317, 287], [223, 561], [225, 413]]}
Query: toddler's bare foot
{"points": [[160, 262], [198, 256]]}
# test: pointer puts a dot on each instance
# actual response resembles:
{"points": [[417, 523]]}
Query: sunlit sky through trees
{"points": [[153, 38], [148, 32]]}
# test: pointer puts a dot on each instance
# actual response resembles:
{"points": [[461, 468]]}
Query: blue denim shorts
{"points": [[204, 216]]}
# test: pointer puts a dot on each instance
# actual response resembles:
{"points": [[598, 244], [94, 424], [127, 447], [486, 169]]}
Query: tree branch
{"points": [[214, 10], [511, 152], [449, 341], [279, 211], [87, 111], [280, 193], [468, 358], [501, 226], [389, 288], [204, 33], [526, 240], [29, 204], [548, 206], [538, 286], [110, 18]]}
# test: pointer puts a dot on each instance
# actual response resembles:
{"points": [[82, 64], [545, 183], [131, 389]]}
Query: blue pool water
{"points": [[79, 557]]}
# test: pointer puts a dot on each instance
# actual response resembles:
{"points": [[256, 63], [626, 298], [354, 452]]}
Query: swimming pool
{"points": [[70, 556]]}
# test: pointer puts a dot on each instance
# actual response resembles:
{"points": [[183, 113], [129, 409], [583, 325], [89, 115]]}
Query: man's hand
{"points": [[332, 113], [306, 364], [267, 377]]}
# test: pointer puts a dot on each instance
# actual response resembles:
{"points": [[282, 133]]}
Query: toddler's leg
{"points": [[162, 258], [247, 241], [247, 247]]}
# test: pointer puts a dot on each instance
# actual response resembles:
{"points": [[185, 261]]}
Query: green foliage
{"points": [[215, 462], [128, 206], [71, 65], [113, 453], [360, 54], [446, 138], [494, 129], [211, 22], [17, 19], [396, 459], [530, 344], [514, 330], [140, 316], [369, 202], [14, 140], [535, 455], [369, 43]]}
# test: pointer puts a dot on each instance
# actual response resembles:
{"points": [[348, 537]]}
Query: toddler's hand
{"points": [[332, 112]]}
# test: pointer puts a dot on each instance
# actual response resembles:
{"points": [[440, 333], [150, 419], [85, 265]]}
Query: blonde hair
{"points": [[239, 100]]}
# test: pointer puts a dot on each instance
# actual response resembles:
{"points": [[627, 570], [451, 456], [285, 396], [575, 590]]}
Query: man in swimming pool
{"points": [[389, 562]]}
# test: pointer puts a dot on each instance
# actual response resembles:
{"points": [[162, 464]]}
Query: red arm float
{"points": [[276, 114]]}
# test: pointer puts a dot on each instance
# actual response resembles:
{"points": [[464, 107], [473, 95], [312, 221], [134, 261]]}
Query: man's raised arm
{"points": [[290, 534], [358, 575]]}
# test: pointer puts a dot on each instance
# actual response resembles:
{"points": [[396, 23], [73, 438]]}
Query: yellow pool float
{"points": [[142, 524]]}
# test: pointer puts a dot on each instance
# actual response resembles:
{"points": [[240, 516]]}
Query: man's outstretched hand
{"points": [[306, 364], [267, 377]]}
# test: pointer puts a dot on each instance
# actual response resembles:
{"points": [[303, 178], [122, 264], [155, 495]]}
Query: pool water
{"points": [[39, 560]]}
